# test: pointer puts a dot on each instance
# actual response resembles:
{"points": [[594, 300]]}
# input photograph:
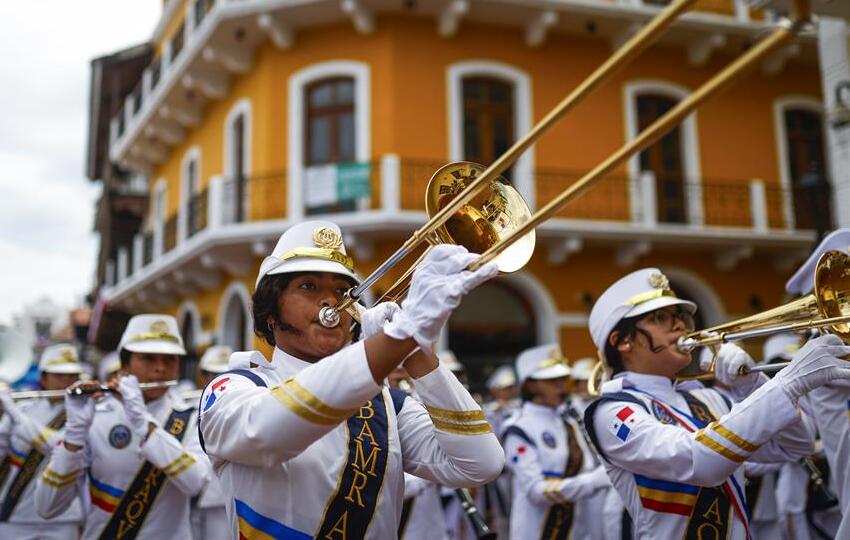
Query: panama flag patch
{"points": [[623, 423], [215, 391]]}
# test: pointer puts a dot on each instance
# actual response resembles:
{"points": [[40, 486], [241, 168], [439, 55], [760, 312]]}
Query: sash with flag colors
{"points": [[663, 496], [104, 496], [255, 526]]}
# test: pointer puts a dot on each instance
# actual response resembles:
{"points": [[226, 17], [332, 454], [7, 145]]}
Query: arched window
{"points": [[190, 341], [488, 118], [664, 159], [489, 105], [490, 327], [234, 318], [329, 108], [190, 194], [237, 161], [806, 165], [329, 139]]}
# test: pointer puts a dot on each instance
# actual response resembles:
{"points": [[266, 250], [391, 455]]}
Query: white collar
{"points": [[657, 385], [286, 363]]}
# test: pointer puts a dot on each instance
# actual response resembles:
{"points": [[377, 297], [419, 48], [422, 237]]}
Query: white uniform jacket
{"points": [[661, 468], [16, 442], [109, 461], [320, 450], [831, 410], [423, 517], [552, 465]]}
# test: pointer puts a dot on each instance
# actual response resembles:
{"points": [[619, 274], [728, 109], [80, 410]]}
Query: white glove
{"points": [[9, 406], [372, 319], [599, 478], [437, 287], [817, 363], [134, 405], [79, 411], [730, 360]]}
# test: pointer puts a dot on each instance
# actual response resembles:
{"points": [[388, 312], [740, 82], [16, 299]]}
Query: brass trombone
{"points": [[828, 306], [473, 186]]}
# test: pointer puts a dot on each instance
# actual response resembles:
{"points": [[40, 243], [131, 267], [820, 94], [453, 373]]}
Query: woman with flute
{"points": [[134, 452]]}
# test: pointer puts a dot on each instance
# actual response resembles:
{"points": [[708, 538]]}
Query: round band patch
{"points": [[119, 436], [549, 439]]}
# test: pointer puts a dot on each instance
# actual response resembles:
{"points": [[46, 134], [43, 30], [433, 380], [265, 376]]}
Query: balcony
{"points": [[235, 220], [217, 39]]}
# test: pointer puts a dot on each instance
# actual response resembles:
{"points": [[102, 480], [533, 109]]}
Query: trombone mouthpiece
{"points": [[329, 317]]}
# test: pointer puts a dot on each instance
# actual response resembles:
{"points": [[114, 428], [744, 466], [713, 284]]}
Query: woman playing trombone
{"points": [[674, 453], [136, 454], [310, 443]]}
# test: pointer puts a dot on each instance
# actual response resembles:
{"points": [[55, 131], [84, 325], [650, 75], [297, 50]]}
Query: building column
{"points": [[835, 68]]}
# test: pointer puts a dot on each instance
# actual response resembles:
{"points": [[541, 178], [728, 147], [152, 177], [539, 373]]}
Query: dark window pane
{"points": [[321, 96], [344, 92], [664, 159], [488, 118], [346, 137], [320, 134]]}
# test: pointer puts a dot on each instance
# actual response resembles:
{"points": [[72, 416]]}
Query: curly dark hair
{"points": [[627, 328], [264, 304]]}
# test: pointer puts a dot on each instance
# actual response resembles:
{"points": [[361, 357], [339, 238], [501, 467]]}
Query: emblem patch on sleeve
{"points": [[623, 423], [216, 390]]}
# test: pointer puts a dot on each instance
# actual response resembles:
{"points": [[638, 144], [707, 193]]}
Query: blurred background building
{"points": [[240, 117]]}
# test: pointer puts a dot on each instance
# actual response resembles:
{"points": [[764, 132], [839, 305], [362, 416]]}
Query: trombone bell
{"points": [[486, 219]]}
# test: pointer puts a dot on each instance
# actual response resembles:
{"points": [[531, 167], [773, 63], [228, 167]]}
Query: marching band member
{"points": [[830, 402], [674, 453], [309, 444], [504, 394], [28, 432], [136, 454], [556, 481], [209, 516]]}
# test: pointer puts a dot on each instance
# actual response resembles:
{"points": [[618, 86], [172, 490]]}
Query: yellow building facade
{"points": [[253, 116]]}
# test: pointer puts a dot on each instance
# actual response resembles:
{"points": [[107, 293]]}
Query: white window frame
{"points": [[690, 146], [242, 107], [298, 83], [523, 109], [238, 290], [780, 106], [193, 154]]}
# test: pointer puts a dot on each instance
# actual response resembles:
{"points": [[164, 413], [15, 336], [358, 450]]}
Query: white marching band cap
{"points": [[109, 364], [448, 359], [60, 358], [216, 359], [582, 368], [637, 293], [311, 246], [802, 282], [502, 377], [152, 333], [541, 362], [782, 346]]}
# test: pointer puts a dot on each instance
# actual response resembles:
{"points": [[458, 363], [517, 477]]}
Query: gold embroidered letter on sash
{"points": [[339, 527]]}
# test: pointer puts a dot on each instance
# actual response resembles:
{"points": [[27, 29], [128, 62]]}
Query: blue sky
{"points": [[47, 245]]}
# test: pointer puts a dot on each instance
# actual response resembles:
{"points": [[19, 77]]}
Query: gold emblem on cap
{"points": [[327, 238], [657, 280], [159, 327]]}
